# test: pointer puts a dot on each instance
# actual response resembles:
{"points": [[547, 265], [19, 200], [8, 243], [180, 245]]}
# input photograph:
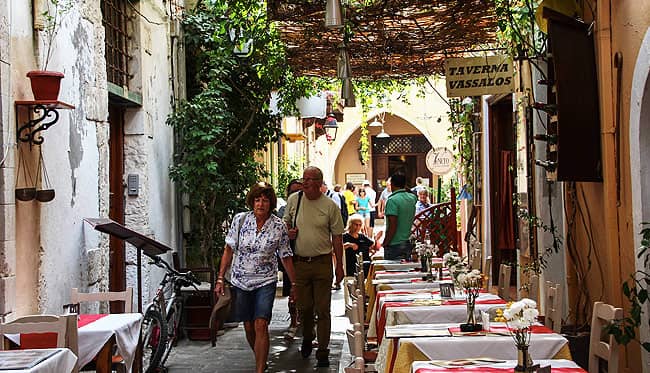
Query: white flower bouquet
{"points": [[519, 317], [455, 263], [470, 280], [426, 250]]}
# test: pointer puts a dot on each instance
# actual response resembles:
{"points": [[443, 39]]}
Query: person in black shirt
{"points": [[355, 242]]}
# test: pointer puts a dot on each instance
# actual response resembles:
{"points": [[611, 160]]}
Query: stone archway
{"points": [[640, 153], [397, 121]]}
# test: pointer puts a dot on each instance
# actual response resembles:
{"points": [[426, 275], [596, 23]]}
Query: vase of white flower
{"points": [[520, 317], [471, 283], [524, 361]]}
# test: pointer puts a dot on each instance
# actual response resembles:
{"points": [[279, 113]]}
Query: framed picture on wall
{"points": [[355, 178]]}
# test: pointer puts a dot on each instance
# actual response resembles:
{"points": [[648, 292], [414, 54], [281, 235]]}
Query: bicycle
{"points": [[162, 317]]}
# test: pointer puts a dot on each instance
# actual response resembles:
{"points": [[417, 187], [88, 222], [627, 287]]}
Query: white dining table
{"points": [[50, 360], [556, 365], [383, 275], [95, 331], [397, 354], [395, 310], [94, 335]]}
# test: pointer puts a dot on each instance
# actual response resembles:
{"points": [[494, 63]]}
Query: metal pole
{"points": [[139, 280], [439, 189]]}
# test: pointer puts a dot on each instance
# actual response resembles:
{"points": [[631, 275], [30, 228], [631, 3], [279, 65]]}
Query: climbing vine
{"points": [[227, 119], [461, 117]]}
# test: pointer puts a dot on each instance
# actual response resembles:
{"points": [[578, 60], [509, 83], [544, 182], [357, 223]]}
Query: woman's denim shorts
{"points": [[254, 304]]}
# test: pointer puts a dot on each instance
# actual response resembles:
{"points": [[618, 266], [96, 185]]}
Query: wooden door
{"points": [[502, 210]]}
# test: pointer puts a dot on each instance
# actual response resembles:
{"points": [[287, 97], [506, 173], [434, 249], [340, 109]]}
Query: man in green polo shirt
{"points": [[400, 210]]}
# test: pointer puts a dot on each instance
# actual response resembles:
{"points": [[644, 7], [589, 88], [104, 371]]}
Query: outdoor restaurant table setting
{"points": [[407, 283], [487, 365], [48, 360], [96, 331], [394, 311], [407, 343]]}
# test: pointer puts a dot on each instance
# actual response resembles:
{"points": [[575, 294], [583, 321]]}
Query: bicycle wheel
{"points": [[154, 340], [173, 329]]}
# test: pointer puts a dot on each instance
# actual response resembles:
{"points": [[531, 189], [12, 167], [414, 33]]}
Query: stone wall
{"points": [[57, 249]]}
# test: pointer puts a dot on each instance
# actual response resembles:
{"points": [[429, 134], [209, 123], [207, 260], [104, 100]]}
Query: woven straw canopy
{"points": [[389, 39]]}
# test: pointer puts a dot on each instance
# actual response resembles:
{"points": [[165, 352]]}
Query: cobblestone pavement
{"points": [[233, 355]]}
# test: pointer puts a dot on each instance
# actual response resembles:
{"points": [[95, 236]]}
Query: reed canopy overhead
{"points": [[383, 38]]}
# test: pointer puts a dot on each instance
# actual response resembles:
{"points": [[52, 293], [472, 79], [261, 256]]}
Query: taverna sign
{"points": [[439, 160], [476, 76]]}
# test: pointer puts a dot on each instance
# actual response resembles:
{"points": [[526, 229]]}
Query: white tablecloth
{"points": [[397, 266], [93, 336], [556, 363], [542, 346], [413, 285], [382, 275], [428, 314], [62, 360], [125, 327]]}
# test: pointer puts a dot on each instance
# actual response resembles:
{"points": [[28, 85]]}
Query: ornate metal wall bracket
{"points": [[42, 115]]}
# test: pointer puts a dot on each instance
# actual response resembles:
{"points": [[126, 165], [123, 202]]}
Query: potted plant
{"points": [[45, 83], [636, 292]]}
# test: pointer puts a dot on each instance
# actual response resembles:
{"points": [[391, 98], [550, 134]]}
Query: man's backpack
{"points": [[343, 205], [344, 209]]}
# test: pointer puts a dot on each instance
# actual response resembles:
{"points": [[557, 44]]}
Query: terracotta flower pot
{"points": [[45, 84]]}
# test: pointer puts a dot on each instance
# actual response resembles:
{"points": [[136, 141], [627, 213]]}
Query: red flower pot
{"points": [[45, 84]]}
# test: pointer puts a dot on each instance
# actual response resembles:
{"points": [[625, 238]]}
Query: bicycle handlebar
{"points": [[159, 262]]}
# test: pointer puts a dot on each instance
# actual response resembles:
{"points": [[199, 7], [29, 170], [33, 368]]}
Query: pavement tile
{"points": [[233, 355]]}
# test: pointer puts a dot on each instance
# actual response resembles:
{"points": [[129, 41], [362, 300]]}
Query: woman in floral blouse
{"points": [[254, 242]]}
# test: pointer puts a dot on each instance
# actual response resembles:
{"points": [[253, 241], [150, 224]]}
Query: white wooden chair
{"points": [[349, 287], [607, 350], [37, 324], [553, 303], [125, 296], [488, 273], [504, 281], [357, 341]]}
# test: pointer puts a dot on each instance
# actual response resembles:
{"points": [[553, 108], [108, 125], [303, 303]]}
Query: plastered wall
{"points": [[53, 248]]}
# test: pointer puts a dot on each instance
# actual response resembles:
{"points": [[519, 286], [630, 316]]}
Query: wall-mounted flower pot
{"points": [[25, 194], [45, 195], [45, 84]]}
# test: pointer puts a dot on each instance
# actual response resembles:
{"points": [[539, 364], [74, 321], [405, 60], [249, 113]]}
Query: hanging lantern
{"points": [[331, 127], [343, 69], [333, 18]]}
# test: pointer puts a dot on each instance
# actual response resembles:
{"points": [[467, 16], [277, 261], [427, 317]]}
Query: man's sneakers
{"points": [[305, 349]]}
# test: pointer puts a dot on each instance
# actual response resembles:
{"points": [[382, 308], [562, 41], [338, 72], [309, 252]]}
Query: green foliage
{"points": [[227, 118], [538, 264], [518, 32], [461, 117], [636, 292], [287, 171]]}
